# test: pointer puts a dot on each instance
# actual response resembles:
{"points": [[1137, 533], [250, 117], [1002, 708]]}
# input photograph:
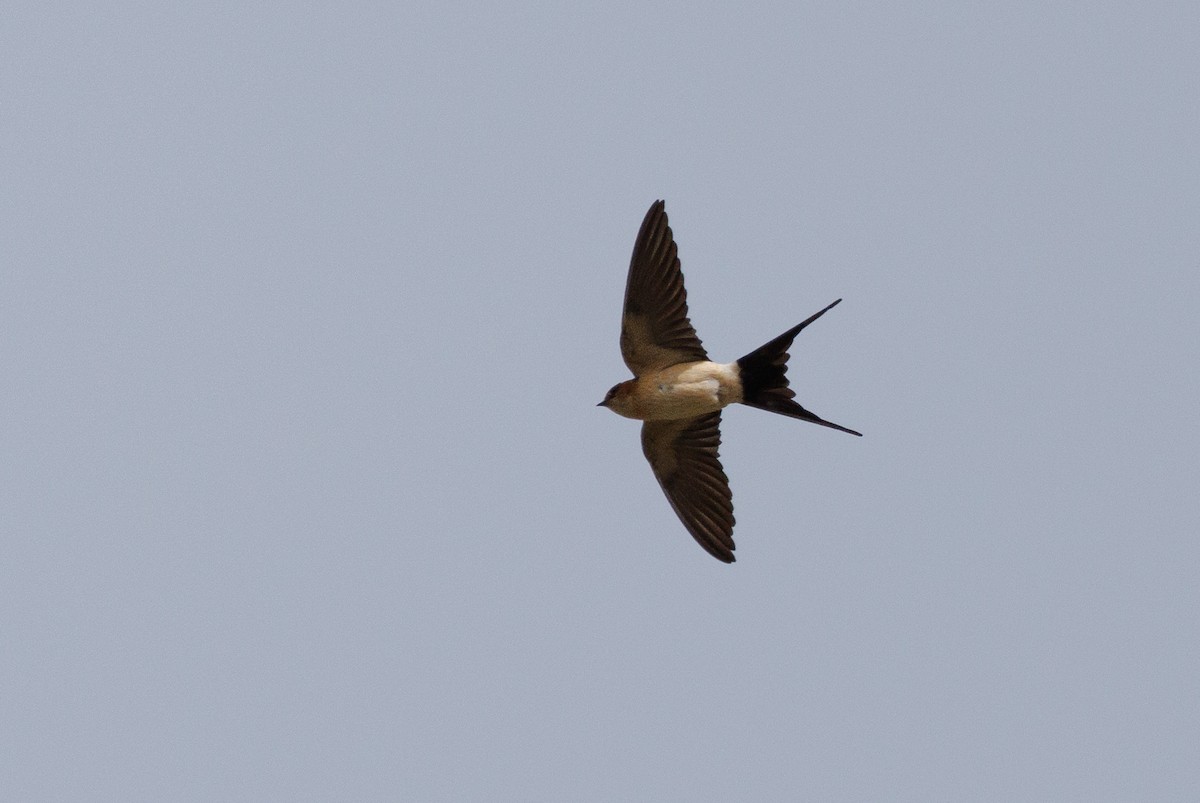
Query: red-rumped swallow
{"points": [[679, 393]]}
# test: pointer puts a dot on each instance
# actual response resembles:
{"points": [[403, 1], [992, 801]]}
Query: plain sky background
{"points": [[304, 312]]}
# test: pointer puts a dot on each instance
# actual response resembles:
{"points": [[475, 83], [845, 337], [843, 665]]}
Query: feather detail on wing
{"points": [[655, 330], [683, 455]]}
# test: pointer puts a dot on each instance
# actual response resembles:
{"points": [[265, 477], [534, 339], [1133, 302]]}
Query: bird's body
{"points": [[679, 393]]}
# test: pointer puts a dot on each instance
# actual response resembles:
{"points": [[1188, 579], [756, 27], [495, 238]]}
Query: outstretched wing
{"points": [[683, 455], [655, 330]]}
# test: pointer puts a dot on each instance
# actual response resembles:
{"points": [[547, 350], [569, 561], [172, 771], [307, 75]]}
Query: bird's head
{"points": [[619, 398]]}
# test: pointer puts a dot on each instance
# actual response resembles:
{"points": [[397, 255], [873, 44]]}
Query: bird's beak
{"points": [[601, 404]]}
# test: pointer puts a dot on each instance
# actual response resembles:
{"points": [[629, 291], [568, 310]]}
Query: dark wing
{"points": [[683, 454], [655, 330]]}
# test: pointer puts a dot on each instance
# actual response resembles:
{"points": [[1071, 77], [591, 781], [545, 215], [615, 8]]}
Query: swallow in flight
{"points": [[678, 393]]}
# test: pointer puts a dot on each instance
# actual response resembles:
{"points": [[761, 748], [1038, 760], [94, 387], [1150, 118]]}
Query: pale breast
{"points": [[691, 389]]}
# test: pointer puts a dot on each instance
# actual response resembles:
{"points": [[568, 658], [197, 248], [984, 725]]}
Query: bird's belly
{"points": [[683, 400], [687, 393]]}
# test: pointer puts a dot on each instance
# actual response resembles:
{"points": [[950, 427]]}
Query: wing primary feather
{"points": [[684, 457], [655, 329]]}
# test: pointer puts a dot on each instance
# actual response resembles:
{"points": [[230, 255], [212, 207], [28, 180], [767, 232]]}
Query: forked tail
{"points": [[764, 377]]}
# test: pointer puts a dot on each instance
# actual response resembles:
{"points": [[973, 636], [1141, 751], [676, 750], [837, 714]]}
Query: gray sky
{"points": [[305, 315]]}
